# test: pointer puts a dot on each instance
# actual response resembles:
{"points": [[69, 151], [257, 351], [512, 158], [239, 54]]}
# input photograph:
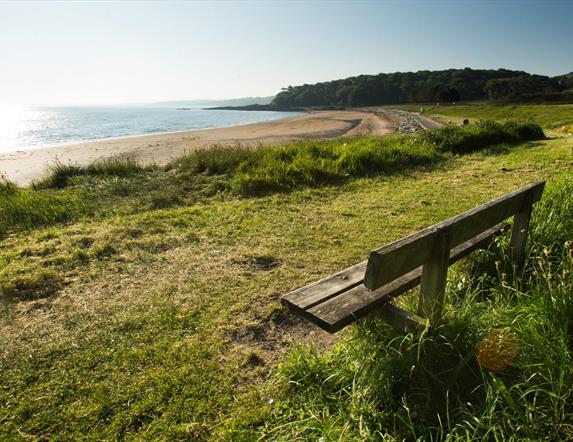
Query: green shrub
{"points": [[60, 175], [472, 137], [26, 209]]}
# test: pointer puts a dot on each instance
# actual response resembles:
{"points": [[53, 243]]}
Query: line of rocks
{"points": [[409, 125]]}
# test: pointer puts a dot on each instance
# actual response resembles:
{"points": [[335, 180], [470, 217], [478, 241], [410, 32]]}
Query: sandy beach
{"points": [[25, 165]]}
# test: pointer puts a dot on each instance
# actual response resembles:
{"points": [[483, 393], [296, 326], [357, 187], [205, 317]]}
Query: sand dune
{"points": [[26, 165]]}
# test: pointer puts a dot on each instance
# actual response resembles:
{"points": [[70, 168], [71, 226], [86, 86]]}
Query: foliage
{"points": [[161, 324], [547, 116], [315, 163], [469, 138], [217, 160], [520, 85], [27, 208], [59, 174], [418, 87], [71, 191]]}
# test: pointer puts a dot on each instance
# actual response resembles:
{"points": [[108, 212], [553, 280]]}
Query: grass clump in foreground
{"points": [[498, 368], [28, 208], [61, 175]]}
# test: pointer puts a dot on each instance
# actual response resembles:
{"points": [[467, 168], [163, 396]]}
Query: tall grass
{"points": [[316, 163], [466, 139], [69, 190], [499, 368], [60, 175], [27, 208]]}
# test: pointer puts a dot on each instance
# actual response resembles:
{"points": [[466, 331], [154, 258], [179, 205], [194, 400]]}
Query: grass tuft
{"points": [[473, 137], [22, 209], [61, 175]]}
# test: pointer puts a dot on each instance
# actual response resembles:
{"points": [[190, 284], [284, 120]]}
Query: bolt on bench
{"points": [[421, 258]]}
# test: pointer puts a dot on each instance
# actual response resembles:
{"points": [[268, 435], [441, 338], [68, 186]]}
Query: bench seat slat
{"points": [[356, 303], [326, 288], [336, 309]]}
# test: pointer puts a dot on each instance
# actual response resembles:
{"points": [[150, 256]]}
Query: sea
{"points": [[33, 127]]}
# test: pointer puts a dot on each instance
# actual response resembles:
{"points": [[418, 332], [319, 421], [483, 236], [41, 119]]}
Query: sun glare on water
{"points": [[19, 126]]}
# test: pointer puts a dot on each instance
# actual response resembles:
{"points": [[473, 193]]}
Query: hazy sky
{"points": [[114, 52]]}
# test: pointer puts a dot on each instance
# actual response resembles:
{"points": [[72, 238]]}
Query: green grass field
{"points": [[145, 304], [553, 117]]}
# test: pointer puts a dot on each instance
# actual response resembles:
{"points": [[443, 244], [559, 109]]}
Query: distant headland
{"points": [[498, 86]]}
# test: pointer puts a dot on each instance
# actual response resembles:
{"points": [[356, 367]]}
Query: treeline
{"points": [[421, 87]]}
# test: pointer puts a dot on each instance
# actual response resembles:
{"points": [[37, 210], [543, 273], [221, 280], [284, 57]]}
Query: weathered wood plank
{"points": [[356, 303], [519, 233], [434, 276], [401, 319], [335, 312], [389, 262], [328, 287]]}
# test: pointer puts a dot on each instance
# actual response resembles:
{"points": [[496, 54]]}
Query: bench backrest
{"points": [[422, 258], [431, 247], [400, 257]]}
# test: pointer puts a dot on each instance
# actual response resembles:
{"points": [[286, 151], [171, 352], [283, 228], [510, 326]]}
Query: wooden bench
{"points": [[423, 257]]}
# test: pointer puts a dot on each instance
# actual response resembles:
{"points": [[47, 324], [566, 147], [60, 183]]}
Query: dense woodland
{"points": [[421, 87]]}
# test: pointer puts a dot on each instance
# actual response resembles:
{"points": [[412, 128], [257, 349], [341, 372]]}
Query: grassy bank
{"points": [[152, 311], [499, 366], [121, 185], [550, 116]]}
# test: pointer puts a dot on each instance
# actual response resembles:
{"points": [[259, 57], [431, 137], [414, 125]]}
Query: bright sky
{"points": [[114, 52]]}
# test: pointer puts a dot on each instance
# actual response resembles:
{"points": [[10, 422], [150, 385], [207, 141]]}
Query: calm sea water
{"points": [[34, 127]]}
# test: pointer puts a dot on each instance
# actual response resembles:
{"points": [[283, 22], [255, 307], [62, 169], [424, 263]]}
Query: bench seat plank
{"points": [[326, 288], [340, 307]]}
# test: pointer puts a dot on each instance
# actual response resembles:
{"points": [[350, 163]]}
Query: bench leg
{"points": [[519, 234], [401, 319], [434, 275]]}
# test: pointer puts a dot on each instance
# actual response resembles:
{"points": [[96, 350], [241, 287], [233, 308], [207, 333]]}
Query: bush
{"points": [[26, 209], [59, 175], [473, 137]]}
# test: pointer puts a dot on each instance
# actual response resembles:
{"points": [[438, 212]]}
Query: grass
{"points": [[26, 208], [153, 312], [61, 175], [549, 116], [498, 368], [319, 163], [121, 184]]}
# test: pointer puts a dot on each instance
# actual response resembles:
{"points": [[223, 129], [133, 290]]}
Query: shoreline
{"points": [[23, 166], [103, 140]]}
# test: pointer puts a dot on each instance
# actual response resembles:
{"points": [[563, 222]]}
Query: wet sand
{"points": [[25, 165]]}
